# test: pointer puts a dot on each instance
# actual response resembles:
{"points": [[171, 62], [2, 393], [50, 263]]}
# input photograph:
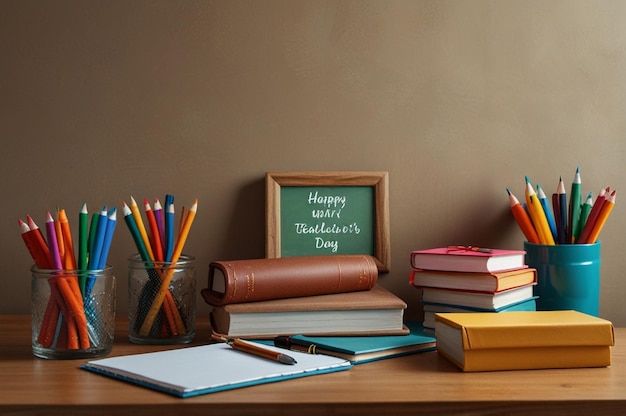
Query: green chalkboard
{"points": [[326, 220], [328, 213]]}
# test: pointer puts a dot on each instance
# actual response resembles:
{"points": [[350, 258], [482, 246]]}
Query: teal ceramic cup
{"points": [[568, 276]]}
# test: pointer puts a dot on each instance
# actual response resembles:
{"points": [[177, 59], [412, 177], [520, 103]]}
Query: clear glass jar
{"points": [[70, 324], [161, 301]]}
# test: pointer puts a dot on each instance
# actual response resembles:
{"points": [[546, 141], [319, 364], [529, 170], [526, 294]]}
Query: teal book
{"points": [[363, 349], [192, 371]]}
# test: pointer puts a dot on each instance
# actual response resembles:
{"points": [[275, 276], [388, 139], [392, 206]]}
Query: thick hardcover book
{"points": [[431, 309], [480, 300], [193, 371], [359, 350], [524, 340], [253, 280], [376, 311], [460, 259], [477, 282]]}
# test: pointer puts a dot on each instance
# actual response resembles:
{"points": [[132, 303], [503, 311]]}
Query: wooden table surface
{"points": [[418, 384]]}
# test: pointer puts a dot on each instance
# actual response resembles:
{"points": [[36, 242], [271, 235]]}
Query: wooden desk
{"points": [[418, 384]]}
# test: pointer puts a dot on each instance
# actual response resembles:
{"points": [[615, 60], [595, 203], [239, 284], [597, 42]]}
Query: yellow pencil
{"points": [[178, 249], [538, 215], [134, 209]]}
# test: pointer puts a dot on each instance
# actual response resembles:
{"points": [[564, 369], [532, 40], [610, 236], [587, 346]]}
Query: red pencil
{"points": [[155, 235], [593, 216]]}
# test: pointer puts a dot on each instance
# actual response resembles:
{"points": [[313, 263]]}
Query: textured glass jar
{"points": [[69, 324], [161, 301]]}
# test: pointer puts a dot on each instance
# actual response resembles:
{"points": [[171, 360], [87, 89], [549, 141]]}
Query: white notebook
{"points": [[193, 371]]}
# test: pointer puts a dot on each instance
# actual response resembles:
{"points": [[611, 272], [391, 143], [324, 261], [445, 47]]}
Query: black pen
{"points": [[296, 345]]}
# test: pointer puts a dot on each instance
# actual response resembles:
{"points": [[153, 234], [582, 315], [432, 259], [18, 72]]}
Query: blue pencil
{"points": [[108, 238], [94, 256], [543, 200]]}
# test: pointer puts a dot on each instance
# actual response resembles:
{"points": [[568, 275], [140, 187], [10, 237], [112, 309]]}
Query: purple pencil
{"points": [[53, 244]]}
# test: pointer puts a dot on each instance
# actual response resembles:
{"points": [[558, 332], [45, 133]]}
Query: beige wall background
{"points": [[456, 100]]}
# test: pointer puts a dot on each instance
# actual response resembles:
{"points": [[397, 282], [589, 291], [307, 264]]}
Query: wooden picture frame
{"points": [[357, 184]]}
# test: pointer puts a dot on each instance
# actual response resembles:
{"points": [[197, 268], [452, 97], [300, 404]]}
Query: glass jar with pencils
{"points": [[161, 300], [72, 312]]}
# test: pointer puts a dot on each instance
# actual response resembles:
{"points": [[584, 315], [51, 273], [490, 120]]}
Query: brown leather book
{"points": [[240, 281], [371, 312]]}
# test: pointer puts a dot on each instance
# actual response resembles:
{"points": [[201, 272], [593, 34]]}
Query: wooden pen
{"points": [[259, 351]]}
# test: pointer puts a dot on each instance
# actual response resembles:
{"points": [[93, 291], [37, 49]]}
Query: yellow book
{"points": [[523, 340]]}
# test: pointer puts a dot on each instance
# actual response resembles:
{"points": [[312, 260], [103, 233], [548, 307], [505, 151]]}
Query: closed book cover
{"points": [[480, 300], [253, 280], [359, 350], [431, 309], [375, 311], [192, 371], [524, 340], [477, 282], [467, 259]]}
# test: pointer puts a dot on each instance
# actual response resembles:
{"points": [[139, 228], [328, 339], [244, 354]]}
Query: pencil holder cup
{"points": [[72, 313], [568, 276], [161, 301]]}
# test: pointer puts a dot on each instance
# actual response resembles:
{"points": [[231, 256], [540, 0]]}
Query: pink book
{"points": [[468, 259]]}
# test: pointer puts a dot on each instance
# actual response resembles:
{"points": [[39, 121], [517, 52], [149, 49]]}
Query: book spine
{"points": [[242, 281]]}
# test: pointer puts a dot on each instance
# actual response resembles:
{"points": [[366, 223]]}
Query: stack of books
{"points": [[312, 296], [471, 279]]}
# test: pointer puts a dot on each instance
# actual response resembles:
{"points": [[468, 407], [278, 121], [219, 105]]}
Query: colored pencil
{"points": [[522, 219], [158, 217], [169, 226], [40, 242], [543, 200], [563, 211], [134, 208], [537, 215], [155, 235], [53, 244], [83, 238], [574, 207], [584, 214], [69, 259], [94, 256]]}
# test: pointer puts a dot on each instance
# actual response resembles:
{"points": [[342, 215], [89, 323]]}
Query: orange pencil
{"points": [[607, 207], [178, 248], [522, 219], [69, 260]]}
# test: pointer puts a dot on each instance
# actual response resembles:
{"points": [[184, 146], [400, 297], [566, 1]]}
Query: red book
{"points": [[467, 259]]}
